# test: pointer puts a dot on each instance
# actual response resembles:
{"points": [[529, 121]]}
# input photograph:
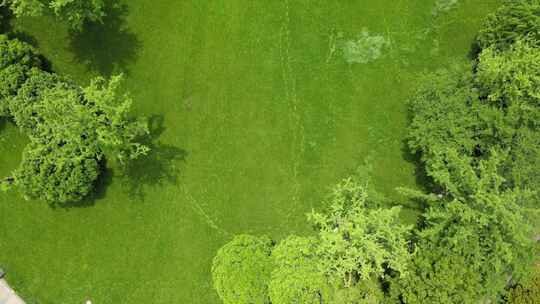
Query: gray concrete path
{"points": [[8, 295]]}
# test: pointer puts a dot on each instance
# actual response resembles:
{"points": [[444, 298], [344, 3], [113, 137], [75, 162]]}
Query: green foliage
{"points": [[358, 246], [16, 60], [510, 77], [438, 276], [45, 96], [447, 120], [465, 114], [57, 172], [115, 131], [485, 232], [478, 134], [75, 12], [359, 240], [241, 270], [71, 129], [297, 277], [527, 291], [510, 81], [514, 20]]}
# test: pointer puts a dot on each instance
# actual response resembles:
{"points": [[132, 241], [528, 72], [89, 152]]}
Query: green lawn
{"points": [[253, 117]]}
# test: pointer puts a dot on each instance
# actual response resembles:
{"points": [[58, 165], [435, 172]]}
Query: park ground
{"points": [[254, 114]]}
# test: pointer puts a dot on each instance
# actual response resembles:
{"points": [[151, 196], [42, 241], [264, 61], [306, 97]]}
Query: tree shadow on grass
{"points": [[3, 122], [474, 50], [109, 46], [6, 28], [158, 167], [423, 181], [6, 16]]}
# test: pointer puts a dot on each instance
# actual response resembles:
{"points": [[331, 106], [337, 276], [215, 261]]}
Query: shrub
{"points": [[75, 12], [71, 129], [241, 270], [17, 59], [514, 20], [527, 291]]}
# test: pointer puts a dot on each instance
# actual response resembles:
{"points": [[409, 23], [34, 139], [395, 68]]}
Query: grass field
{"points": [[254, 113]]}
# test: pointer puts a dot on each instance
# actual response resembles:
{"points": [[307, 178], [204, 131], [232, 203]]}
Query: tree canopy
{"points": [[17, 59], [75, 12], [71, 129], [297, 277], [472, 243], [241, 270], [360, 240], [359, 245], [476, 128], [512, 21]]}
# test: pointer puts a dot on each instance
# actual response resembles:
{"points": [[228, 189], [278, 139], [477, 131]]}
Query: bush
{"points": [[17, 59], [56, 172], [528, 291], [472, 241], [498, 107], [71, 129], [241, 270], [75, 12], [513, 21], [358, 240], [297, 276]]}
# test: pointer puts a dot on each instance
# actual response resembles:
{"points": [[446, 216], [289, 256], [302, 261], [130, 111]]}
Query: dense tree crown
{"points": [[241, 270], [512, 21], [359, 246], [71, 129], [17, 59], [477, 130], [75, 12]]}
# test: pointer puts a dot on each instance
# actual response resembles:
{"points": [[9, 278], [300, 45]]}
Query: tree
{"points": [[75, 12], [510, 81], [56, 173], [43, 106], [473, 242], [61, 162], [17, 59], [527, 291], [358, 244], [478, 133], [446, 117], [115, 129], [497, 107], [512, 21], [241, 270], [297, 277], [359, 240], [71, 130]]}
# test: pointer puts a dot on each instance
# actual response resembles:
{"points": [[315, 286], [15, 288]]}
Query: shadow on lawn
{"points": [[6, 16], [6, 27], [3, 122], [423, 181], [108, 46], [158, 167]]}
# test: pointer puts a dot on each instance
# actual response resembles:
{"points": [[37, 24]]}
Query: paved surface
{"points": [[7, 295]]}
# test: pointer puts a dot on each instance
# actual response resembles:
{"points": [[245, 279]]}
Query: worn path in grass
{"points": [[254, 112]]}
